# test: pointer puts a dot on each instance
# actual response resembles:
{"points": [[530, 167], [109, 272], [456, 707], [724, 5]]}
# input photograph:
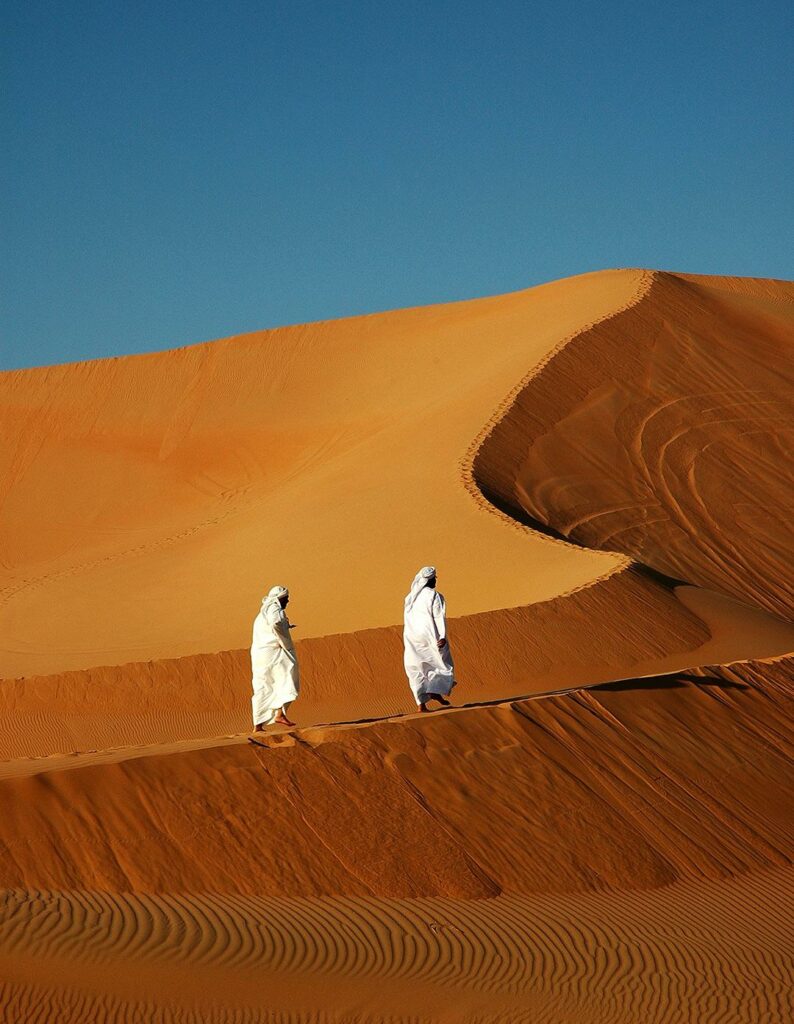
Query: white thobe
{"points": [[274, 664], [429, 669]]}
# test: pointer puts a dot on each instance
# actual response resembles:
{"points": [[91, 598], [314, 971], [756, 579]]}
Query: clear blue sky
{"points": [[175, 172]]}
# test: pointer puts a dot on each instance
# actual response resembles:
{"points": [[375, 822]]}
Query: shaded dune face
{"points": [[628, 785], [666, 433]]}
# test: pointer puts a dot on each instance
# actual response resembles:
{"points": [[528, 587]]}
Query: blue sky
{"points": [[184, 171]]}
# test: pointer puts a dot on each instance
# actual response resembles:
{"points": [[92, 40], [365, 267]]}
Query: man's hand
{"points": [[442, 643]]}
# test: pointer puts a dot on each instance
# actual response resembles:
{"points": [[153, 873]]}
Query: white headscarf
{"points": [[274, 594], [422, 578]]}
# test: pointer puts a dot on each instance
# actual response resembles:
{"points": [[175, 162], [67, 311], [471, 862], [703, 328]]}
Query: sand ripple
{"points": [[718, 951]]}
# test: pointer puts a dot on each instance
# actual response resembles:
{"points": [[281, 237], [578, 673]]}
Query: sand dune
{"points": [[604, 835], [666, 433], [691, 951], [589, 856], [172, 470]]}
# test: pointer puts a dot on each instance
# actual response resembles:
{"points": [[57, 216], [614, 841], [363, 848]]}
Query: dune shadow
{"points": [[517, 513], [672, 681], [520, 516]]}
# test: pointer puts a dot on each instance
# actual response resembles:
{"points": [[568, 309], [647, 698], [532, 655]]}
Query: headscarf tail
{"points": [[422, 578]]}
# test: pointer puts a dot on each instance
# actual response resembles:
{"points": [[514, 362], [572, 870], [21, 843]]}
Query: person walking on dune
{"points": [[274, 664], [428, 662]]}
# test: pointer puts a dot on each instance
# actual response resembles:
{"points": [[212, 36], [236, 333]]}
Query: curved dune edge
{"points": [[172, 469], [625, 440], [485, 444]]}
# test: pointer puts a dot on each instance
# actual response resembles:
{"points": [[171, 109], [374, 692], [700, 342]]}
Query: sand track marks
{"points": [[665, 432]]}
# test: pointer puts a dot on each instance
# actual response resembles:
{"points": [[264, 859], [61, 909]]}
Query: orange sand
{"points": [[617, 853], [675, 445], [620, 851], [153, 500]]}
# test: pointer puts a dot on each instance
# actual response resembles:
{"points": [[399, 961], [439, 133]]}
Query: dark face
{"points": [[284, 601], [432, 583]]}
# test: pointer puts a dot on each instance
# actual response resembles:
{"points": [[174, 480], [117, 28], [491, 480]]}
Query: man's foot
{"points": [[259, 727], [424, 709], [283, 720], [441, 700]]}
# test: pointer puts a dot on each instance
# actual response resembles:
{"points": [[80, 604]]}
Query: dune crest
{"points": [[665, 433]]}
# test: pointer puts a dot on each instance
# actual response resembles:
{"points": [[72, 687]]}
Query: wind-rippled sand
{"points": [[603, 835]]}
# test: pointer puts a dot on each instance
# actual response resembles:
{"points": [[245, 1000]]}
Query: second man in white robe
{"points": [[427, 658], [274, 663]]}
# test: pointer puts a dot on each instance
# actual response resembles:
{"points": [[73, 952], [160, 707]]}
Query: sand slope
{"points": [[666, 433], [620, 853], [326, 456], [616, 850], [625, 785]]}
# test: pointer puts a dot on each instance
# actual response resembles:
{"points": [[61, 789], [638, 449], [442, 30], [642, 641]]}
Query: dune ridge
{"points": [[485, 446], [544, 646], [677, 394], [667, 902], [353, 675]]}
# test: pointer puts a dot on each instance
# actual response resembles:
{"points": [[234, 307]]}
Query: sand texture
{"points": [[688, 419], [600, 831], [618, 853]]}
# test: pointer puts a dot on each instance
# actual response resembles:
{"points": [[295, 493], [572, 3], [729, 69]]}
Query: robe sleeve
{"points": [[438, 611], [278, 621]]}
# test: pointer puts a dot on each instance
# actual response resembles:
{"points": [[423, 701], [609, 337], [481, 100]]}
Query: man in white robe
{"points": [[428, 662], [274, 664]]}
